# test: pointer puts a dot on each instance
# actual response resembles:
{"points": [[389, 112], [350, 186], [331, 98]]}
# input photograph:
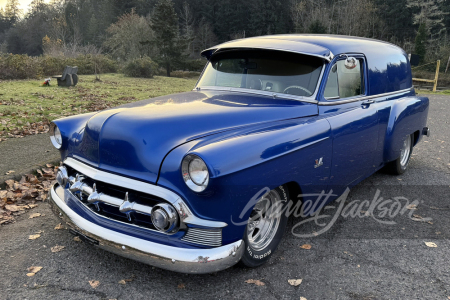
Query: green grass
{"points": [[421, 92], [26, 101]]}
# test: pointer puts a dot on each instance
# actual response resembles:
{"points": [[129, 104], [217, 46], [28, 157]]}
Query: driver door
{"points": [[353, 121]]}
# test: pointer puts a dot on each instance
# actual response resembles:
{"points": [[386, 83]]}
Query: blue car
{"points": [[186, 182]]}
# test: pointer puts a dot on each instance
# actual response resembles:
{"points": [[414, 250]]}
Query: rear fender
{"points": [[408, 115]]}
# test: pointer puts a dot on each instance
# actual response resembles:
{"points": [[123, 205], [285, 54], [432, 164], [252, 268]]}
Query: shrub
{"points": [[184, 74], [141, 67], [24, 66], [18, 66], [51, 65], [195, 65]]}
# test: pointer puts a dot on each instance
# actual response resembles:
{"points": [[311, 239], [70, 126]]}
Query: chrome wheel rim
{"points": [[263, 222], [406, 149]]}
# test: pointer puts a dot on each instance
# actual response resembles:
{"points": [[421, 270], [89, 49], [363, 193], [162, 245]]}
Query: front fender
{"points": [[408, 115], [244, 163], [70, 127]]}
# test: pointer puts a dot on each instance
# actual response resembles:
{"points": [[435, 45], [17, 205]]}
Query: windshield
{"points": [[265, 70]]}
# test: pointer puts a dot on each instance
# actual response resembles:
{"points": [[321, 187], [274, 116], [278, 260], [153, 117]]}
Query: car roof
{"points": [[320, 45]]}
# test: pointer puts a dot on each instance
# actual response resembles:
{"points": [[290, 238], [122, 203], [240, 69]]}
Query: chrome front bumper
{"points": [[162, 256]]}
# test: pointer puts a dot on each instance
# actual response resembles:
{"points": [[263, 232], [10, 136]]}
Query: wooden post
{"points": [[436, 76], [448, 62]]}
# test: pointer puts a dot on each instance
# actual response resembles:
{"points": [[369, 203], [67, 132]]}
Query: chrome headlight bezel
{"points": [[186, 169], [55, 136]]}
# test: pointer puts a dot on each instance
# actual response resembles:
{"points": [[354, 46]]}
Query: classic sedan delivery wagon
{"points": [[184, 182]]}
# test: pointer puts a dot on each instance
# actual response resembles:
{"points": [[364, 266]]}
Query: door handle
{"points": [[368, 102]]}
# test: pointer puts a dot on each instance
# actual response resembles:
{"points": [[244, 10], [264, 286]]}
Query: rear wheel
{"points": [[265, 227], [400, 165]]}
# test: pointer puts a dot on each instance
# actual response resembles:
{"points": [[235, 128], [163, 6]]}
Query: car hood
{"points": [[133, 139]]}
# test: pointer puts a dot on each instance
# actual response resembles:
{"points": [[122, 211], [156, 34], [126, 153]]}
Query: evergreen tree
{"points": [[12, 11], [167, 39], [317, 27], [421, 41], [92, 30]]}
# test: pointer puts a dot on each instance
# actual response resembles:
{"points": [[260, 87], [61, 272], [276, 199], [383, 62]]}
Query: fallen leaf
{"points": [[10, 172], [431, 244], [33, 270], [94, 283], [57, 248], [303, 298], [34, 236], [77, 239], [255, 282], [181, 286], [14, 208], [295, 282], [306, 246], [34, 215], [59, 226], [122, 282], [411, 206]]}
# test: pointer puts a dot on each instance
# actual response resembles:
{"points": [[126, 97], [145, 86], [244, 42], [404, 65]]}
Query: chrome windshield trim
{"points": [[328, 57], [355, 99], [185, 213], [257, 92]]}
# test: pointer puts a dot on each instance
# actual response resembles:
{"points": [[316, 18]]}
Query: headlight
{"points": [[55, 136], [195, 173]]}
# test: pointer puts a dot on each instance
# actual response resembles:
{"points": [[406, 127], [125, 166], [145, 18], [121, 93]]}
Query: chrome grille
{"points": [[206, 237], [112, 201]]}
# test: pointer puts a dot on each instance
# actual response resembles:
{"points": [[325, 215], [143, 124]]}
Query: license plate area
{"points": [[84, 238]]}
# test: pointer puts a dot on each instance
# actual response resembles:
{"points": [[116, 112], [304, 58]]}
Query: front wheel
{"points": [[265, 227], [400, 165]]}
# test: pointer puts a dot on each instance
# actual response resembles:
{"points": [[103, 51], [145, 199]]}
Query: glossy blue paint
{"points": [[250, 142], [158, 128]]}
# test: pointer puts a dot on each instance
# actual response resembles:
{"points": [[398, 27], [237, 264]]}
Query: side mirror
{"points": [[350, 62]]}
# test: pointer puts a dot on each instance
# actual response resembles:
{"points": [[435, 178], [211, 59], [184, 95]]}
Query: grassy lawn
{"points": [[444, 92], [26, 107]]}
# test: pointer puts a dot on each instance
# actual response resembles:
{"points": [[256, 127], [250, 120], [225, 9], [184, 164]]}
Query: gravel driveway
{"points": [[357, 258]]}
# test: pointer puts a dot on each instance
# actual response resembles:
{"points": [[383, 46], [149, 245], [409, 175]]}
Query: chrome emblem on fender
{"points": [[319, 162]]}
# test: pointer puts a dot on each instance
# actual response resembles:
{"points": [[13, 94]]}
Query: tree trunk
{"points": [[168, 69]]}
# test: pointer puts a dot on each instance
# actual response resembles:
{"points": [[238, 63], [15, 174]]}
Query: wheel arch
{"points": [[408, 116]]}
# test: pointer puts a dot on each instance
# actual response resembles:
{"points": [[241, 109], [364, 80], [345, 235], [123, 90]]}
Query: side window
{"points": [[343, 82]]}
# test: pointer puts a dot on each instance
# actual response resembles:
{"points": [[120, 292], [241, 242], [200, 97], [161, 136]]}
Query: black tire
{"points": [[68, 80], [400, 165], [255, 257], [75, 79]]}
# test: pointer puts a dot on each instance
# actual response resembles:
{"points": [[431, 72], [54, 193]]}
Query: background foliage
{"points": [[173, 32]]}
